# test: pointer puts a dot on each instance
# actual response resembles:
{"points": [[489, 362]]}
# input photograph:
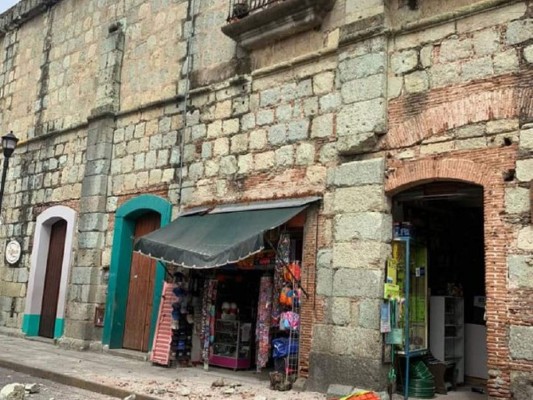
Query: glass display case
{"points": [[411, 261], [232, 344]]}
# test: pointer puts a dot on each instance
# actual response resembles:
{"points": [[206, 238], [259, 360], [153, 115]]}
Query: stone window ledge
{"points": [[277, 21]]}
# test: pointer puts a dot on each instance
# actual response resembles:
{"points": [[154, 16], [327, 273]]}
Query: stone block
{"points": [[516, 200], [248, 121], [323, 83], [521, 385], [369, 310], [362, 117], [277, 134], [324, 282], [239, 143], [221, 147], [416, 82], [364, 226], [228, 165], [528, 53], [486, 42], [90, 240], [502, 125], [356, 173], [310, 106], [198, 132], [336, 391], [526, 139], [524, 170], [357, 282], [258, 139], [445, 74], [196, 171], [519, 31], [426, 56], [305, 154], [347, 370], [284, 156], [368, 88], [230, 126], [506, 62], [362, 198], [328, 153], [264, 117], [304, 88], [477, 68], [322, 126], [214, 129], [84, 275], [95, 185], [360, 67], [520, 339], [284, 112], [404, 61], [264, 161], [455, 49], [324, 258], [93, 222], [211, 168], [207, 150], [288, 92], [520, 271], [360, 254], [245, 163], [339, 310], [298, 130], [525, 238], [269, 97], [329, 102]]}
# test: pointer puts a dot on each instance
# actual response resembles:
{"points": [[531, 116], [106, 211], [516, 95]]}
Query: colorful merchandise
{"points": [[289, 320], [208, 317], [282, 259], [264, 312]]}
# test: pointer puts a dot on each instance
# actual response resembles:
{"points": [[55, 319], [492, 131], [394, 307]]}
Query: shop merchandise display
{"points": [[181, 325], [262, 330]]}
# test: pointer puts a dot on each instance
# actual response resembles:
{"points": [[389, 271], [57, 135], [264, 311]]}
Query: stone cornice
{"points": [[22, 12]]}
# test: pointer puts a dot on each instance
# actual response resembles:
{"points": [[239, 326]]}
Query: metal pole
{"points": [[4, 173]]}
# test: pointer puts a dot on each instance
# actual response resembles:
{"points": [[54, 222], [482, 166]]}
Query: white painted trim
{"points": [[39, 257]]}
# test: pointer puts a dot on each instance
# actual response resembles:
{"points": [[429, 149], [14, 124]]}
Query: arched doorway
{"points": [[446, 221], [49, 273], [486, 170], [135, 282]]}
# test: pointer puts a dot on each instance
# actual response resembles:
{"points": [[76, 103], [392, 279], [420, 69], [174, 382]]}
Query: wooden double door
{"points": [[141, 290]]}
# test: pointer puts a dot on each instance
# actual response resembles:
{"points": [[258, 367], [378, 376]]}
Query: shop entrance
{"points": [[446, 219]]}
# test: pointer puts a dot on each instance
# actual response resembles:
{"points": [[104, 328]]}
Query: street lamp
{"points": [[9, 142]]}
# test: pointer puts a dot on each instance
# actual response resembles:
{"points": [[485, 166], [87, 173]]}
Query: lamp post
{"points": [[9, 142]]}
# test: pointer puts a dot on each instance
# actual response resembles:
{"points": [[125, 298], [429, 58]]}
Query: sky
{"points": [[5, 4]]}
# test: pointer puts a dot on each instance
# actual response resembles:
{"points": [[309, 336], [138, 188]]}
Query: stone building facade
{"points": [[147, 105]]}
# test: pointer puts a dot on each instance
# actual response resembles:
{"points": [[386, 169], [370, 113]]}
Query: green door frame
{"points": [[119, 271]]}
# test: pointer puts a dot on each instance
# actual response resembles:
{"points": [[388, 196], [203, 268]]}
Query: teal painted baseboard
{"points": [[58, 328], [30, 324]]}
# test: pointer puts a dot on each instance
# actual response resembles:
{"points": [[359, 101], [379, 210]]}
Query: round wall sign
{"points": [[13, 252]]}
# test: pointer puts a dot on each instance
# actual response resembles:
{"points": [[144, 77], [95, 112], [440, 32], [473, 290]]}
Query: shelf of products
{"points": [[232, 344], [446, 332]]}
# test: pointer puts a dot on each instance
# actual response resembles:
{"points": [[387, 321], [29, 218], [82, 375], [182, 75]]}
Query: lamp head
{"points": [[9, 142]]}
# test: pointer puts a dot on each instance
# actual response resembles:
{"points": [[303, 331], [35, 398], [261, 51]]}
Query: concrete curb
{"points": [[73, 381]]}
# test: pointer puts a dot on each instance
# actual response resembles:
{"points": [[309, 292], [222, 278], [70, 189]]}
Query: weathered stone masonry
{"points": [[380, 98]]}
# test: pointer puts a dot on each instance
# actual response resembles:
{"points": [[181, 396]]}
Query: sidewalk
{"points": [[118, 377]]}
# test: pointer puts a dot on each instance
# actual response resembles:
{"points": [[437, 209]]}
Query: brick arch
{"points": [[497, 235], [414, 173]]}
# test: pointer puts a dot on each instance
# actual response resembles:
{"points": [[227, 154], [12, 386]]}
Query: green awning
{"points": [[223, 235]]}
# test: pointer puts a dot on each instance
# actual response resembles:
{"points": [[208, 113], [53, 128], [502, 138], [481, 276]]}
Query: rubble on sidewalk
{"points": [[32, 388], [12, 391]]}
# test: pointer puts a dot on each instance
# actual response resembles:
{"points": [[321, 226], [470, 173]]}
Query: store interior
{"points": [[445, 219], [243, 317]]}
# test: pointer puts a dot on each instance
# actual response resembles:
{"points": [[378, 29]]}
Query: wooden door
{"points": [[52, 279], [141, 290]]}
